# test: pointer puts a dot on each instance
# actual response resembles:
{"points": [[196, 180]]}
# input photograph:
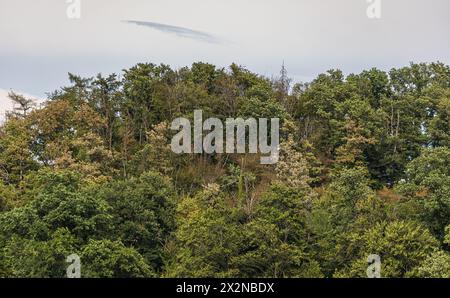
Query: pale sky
{"points": [[39, 44]]}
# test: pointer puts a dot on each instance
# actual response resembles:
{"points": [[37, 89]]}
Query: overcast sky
{"points": [[39, 44]]}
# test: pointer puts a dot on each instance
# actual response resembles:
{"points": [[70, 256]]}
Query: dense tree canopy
{"points": [[364, 169]]}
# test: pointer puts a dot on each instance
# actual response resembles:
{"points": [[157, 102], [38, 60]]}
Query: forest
{"points": [[364, 168]]}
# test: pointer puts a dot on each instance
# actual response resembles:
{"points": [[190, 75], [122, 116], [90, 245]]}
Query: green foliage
{"points": [[8, 196], [16, 156], [363, 169], [428, 184], [255, 108], [24, 257], [205, 239], [106, 258], [401, 245], [142, 212], [437, 265], [275, 240]]}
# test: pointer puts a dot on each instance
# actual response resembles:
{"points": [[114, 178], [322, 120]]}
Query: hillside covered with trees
{"points": [[364, 169]]}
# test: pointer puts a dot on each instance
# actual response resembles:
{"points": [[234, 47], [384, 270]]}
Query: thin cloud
{"points": [[178, 31]]}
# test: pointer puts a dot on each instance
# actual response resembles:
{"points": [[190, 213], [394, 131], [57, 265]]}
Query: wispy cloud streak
{"points": [[178, 31]]}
